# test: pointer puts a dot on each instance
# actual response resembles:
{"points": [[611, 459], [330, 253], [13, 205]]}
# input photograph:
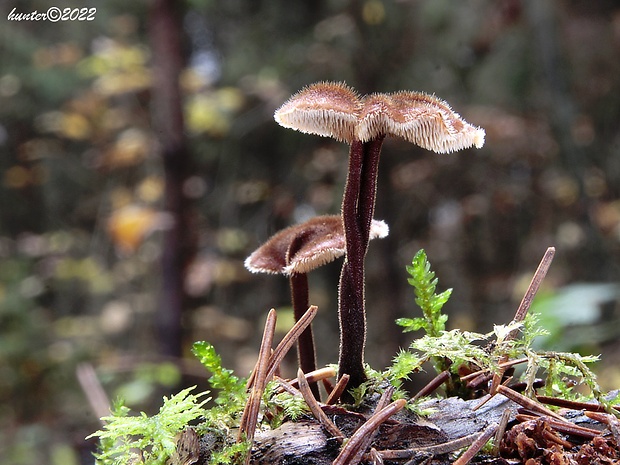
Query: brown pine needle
{"points": [[355, 447], [564, 426], [437, 449], [525, 305], [286, 386], [375, 457], [534, 286], [317, 375], [610, 420], [249, 419], [432, 385], [528, 403], [339, 388], [278, 354], [315, 408], [573, 405], [289, 339], [475, 447], [501, 429], [92, 388], [385, 398], [485, 371]]}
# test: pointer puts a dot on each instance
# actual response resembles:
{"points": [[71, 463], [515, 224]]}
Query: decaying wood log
{"points": [[453, 425]]}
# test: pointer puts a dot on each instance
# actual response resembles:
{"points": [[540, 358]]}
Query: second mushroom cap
{"points": [[319, 241]]}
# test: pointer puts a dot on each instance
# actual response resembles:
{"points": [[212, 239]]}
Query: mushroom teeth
{"points": [[429, 122], [333, 109], [418, 118], [328, 109], [373, 121]]}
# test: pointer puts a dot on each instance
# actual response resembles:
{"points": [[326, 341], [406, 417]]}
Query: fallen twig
{"points": [[289, 339], [432, 385], [475, 446], [524, 307], [93, 390], [339, 388], [249, 419], [315, 408], [355, 447], [528, 403]]}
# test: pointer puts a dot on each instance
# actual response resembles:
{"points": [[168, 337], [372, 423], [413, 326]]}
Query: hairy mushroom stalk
{"points": [[294, 252], [335, 110]]}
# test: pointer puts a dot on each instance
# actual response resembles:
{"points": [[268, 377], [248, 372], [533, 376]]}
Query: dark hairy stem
{"points": [[305, 342], [357, 213]]}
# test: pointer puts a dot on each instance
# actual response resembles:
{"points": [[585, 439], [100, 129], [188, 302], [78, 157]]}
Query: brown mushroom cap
{"points": [[321, 241], [332, 109], [373, 121], [419, 118], [328, 109], [430, 123]]}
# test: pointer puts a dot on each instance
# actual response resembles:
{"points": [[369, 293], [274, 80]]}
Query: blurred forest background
{"points": [[140, 164]]}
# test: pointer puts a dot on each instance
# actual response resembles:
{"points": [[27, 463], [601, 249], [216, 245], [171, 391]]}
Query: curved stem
{"points": [[368, 188], [357, 213]]}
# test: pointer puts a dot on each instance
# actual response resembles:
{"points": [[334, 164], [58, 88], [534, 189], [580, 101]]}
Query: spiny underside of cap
{"points": [[335, 110], [372, 121], [429, 122], [328, 109]]}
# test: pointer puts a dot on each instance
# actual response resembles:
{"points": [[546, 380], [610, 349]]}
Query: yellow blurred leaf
{"points": [[607, 217], [120, 197], [212, 112], [151, 189], [74, 126], [373, 12], [62, 54], [129, 226], [17, 177], [130, 148], [121, 83], [191, 81]]}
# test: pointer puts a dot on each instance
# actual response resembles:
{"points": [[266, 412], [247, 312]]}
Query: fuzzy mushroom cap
{"points": [[328, 109], [430, 123], [332, 109], [418, 118], [373, 121], [316, 242]]}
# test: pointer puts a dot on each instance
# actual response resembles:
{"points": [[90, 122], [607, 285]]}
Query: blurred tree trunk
{"points": [[165, 33]]}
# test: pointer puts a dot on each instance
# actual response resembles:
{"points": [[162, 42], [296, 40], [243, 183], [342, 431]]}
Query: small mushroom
{"points": [[294, 252], [336, 110]]}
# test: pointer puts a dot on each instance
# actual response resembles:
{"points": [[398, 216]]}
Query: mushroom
{"points": [[335, 110], [294, 252]]}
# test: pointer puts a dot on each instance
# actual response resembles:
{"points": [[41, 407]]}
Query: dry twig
{"points": [[475, 446], [353, 450], [315, 408], [525, 305], [528, 403], [432, 385], [289, 339], [249, 419], [339, 388]]}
